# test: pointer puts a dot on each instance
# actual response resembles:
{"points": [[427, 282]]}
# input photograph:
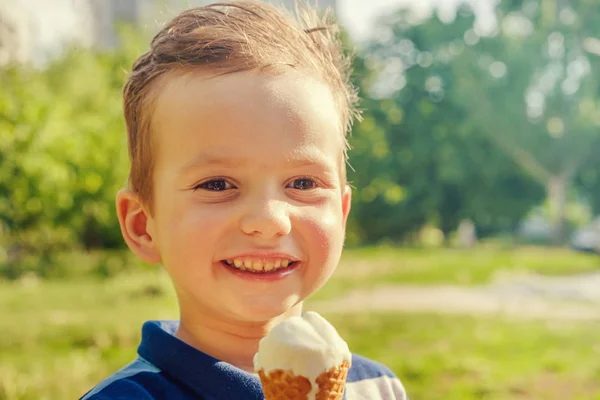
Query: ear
{"points": [[136, 224], [346, 202]]}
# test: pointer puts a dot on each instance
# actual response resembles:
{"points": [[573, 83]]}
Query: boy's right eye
{"points": [[215, 185]]}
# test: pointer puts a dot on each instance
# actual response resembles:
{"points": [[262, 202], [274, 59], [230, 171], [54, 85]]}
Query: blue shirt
{"points": [[168, 368]]}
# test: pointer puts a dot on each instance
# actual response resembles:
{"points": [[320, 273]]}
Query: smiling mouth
{"points": [[258, 266]]}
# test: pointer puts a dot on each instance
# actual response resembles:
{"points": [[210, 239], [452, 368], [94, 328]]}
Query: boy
{"points": [[237, 121]]}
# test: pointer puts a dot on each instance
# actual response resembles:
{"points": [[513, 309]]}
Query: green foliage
{"points": [[533, 85], [418, 155], [460, 125], [588, 182], [63, 153]]}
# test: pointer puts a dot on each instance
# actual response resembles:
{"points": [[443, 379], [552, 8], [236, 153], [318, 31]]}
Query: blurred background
{"points": [[471, 266]]}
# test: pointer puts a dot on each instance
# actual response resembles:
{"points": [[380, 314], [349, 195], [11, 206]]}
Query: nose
{"points": [[266, 218]]}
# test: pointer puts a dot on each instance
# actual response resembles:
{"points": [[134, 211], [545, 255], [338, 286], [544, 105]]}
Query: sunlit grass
{"points": [[368, 267], [59, 338], [456, 358]]}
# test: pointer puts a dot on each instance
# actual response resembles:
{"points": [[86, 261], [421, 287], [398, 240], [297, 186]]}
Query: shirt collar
{"points": [[206, 376]]}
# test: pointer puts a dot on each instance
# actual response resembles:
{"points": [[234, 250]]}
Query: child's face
{"points": [[248, 167]]}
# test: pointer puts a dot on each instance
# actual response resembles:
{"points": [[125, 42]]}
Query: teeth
{"points": [[269, 265], [258, 265]]}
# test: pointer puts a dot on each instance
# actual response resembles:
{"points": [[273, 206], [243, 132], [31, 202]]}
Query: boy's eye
{"points": [[302, 184], [215, 185]]}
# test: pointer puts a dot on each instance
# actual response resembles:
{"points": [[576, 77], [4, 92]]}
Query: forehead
{"points": [[246, 114]]}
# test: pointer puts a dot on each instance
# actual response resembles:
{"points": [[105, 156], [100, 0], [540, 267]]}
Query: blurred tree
{"points": [[418, 156], [588, 182], [527, 91], [531, 90], [63, 151]]}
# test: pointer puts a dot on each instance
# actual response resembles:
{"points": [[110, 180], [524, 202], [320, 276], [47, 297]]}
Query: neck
{"points": [[235, 342]]}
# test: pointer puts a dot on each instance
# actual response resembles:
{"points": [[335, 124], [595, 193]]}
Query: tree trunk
{"points": [[556, 190]]}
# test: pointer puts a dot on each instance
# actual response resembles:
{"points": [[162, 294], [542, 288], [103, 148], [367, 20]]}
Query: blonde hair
{"points": [[231, 37]]}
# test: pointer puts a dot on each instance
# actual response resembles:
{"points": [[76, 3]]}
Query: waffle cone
{"points": [[284, 385], [333, 382]]}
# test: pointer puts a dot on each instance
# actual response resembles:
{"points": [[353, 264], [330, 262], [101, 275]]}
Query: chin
{"points": [[259, 311]]}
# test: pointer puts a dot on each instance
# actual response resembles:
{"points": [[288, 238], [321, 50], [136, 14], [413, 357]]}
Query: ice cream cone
{"points": [[332, 383], [303, 358], [284, 385]]}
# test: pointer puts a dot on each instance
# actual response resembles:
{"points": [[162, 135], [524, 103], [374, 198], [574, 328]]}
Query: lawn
{"points": [[369, 267], [60, 337], [463, 358]]}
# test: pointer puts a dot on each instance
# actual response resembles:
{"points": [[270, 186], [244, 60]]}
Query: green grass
{"points": [[450, 357], [59, 338], [369, 267]]}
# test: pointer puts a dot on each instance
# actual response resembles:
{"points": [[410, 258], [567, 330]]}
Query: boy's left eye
{"points": [[302, 184]]}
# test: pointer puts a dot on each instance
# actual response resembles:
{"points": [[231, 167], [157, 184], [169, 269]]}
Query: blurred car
{"points": [[587, 238]]}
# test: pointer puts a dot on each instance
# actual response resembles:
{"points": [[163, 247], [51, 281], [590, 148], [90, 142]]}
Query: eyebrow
{"points": [[301, 160], [203, 160]]}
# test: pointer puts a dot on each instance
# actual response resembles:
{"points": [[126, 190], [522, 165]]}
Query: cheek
{"points": [[189, 231], [325, 233]]}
